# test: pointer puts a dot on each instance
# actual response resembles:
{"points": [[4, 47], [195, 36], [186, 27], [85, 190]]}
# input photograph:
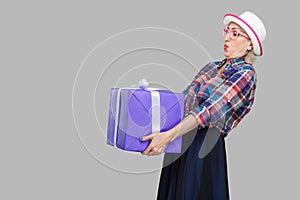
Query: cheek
{"points": [[241, 47], [244, 45], [234, 49]]}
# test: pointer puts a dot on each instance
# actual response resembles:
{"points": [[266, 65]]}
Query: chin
{"points": [[226, 55]]}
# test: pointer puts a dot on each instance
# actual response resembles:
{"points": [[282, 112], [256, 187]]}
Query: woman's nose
{"points": [[226, 37]]}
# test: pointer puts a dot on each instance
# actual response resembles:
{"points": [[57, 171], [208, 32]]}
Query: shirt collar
{"points": [[234, 62]]}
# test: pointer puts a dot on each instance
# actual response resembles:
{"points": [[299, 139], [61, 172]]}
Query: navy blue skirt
{"points": [[200, 172]]}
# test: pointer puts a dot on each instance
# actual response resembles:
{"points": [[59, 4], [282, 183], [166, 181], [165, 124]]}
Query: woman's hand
{"points": [[159, 142]]}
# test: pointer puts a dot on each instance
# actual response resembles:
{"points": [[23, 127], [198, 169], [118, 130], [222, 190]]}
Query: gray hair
{"points": [[250, 57]]}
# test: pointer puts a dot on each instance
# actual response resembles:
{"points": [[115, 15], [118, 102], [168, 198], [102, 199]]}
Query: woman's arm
{"points": [[227, 98], [210, 113]]}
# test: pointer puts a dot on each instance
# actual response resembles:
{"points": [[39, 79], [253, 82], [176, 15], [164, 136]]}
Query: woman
{"points": [[219, 97]]}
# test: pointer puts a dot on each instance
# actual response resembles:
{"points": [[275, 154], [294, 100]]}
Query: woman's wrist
{"points": [[174, 132], [187, 124]]}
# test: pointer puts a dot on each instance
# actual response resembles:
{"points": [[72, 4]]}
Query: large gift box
{"points": [[136, 112]]}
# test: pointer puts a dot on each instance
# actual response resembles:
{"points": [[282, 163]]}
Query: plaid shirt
{"points": [[222, 100]]}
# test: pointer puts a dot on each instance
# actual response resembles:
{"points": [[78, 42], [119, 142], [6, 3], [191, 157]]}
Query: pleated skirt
{"points": [[199, 172]]}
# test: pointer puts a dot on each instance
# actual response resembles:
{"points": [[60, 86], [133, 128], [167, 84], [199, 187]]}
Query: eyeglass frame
{"points": [[226, 31]]}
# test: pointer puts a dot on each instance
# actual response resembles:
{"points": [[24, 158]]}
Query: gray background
{"points": [[43, 45]]}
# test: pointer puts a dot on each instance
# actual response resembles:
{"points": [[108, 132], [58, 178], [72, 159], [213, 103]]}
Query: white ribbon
{"points": [[155, 102]]}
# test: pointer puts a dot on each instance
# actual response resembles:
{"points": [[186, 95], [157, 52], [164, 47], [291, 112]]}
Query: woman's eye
{"points": [[235, 33]]}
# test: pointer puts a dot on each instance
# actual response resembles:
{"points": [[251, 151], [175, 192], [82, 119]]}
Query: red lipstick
{"points": [[225, 46]]}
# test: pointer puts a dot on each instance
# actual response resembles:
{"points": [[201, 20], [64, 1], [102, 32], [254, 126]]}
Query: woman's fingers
{"points": [[148, 137], [147, 151], [156, 145], [153, 151]]}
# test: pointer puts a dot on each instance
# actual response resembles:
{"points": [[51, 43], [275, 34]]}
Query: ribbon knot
{"points": [[143, 84]]}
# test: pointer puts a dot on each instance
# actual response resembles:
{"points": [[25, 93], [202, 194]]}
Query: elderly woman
{"points": [[219, 97]]}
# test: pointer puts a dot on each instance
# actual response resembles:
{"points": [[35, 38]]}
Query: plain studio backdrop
{"points": [[59, 60]]}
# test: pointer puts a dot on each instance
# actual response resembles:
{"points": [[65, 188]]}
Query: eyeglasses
{"points": [[234, 33]]}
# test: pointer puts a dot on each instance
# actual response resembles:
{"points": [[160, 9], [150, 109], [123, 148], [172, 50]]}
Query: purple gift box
{"points": [[134, 113]]}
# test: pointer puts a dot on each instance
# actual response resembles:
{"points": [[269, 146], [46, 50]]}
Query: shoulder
{"points": [[246, 67], [248, 71]]}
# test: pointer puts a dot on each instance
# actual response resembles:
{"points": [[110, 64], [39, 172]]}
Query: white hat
{"points": [[253, 26]]}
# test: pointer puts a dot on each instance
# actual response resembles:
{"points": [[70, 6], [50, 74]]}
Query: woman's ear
{"points": [[250, 46]]}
